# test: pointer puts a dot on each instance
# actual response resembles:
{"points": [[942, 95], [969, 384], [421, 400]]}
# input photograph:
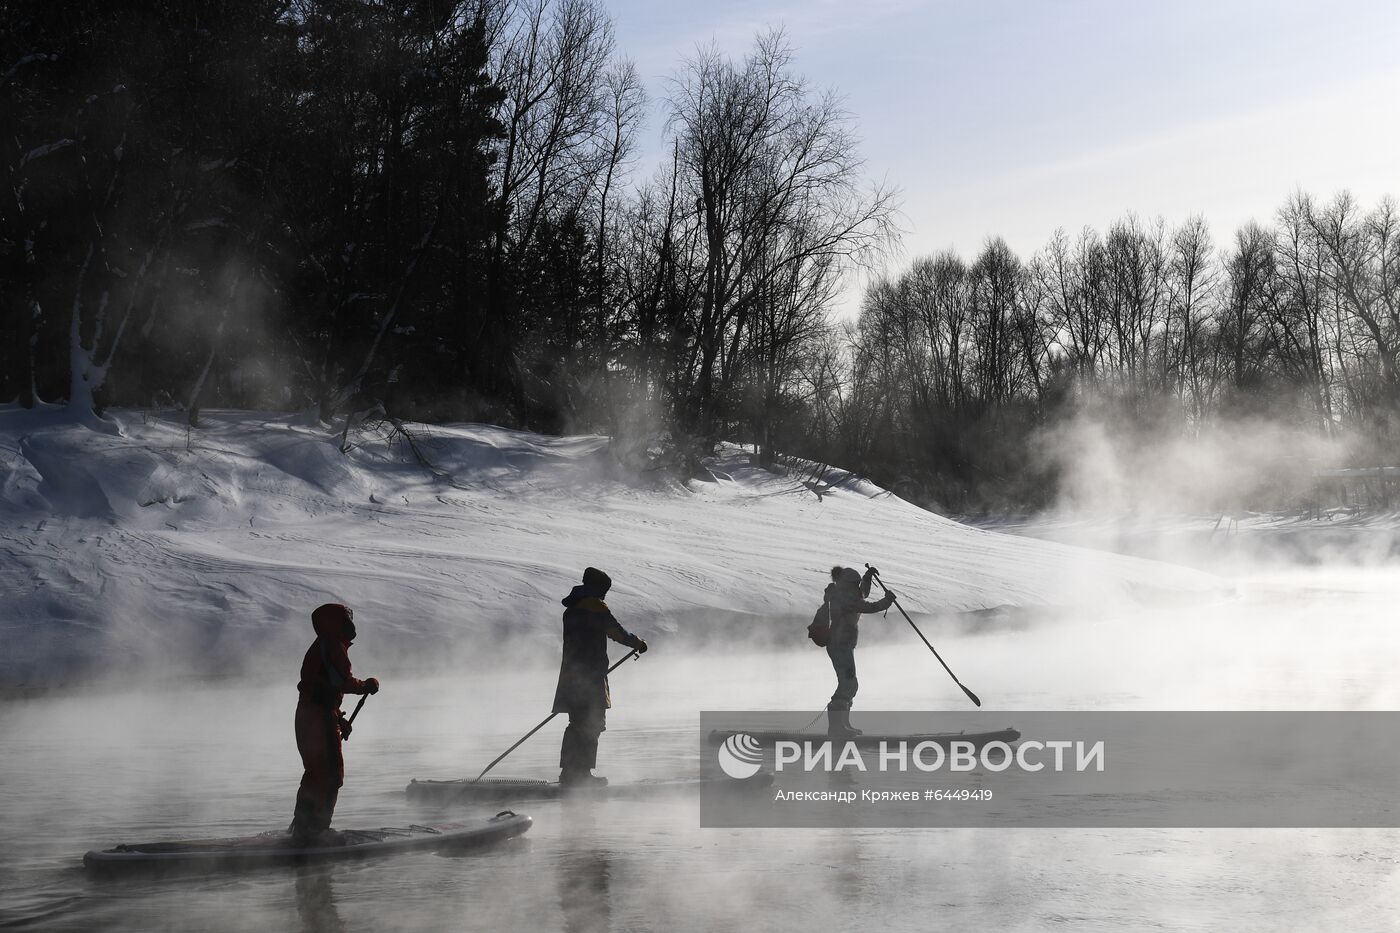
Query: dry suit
{"points": [[325, 679]]}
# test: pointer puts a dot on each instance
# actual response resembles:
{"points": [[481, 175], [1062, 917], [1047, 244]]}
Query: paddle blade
{"points": [[970, 695]]}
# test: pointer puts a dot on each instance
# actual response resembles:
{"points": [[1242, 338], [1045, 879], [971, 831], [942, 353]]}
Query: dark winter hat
{"points": [[592, 576]]}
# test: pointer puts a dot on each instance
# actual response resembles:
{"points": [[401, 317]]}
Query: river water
{"points": [[89, 770]]}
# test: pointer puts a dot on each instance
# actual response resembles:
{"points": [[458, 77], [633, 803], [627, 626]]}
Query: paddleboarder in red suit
{"points": [[321, 725]]}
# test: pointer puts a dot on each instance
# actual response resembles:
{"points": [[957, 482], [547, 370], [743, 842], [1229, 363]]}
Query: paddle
{"points": [[628, 656], [970, 695], [354, 713]]}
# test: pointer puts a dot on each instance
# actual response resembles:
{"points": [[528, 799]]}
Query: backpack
{"points": [[820, 629]]}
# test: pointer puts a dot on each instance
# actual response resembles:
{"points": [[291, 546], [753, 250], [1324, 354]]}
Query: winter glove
{"points": [[344, 727], [372, 685], [639, 645]]}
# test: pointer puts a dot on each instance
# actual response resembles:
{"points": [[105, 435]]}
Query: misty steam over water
{"points": [[150, 764], [414, 326]]}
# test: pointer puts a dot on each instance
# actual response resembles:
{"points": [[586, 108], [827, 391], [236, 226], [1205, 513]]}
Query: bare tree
{"points": [[1191, 293], [1302, 317], [1363, 266], [762, 155], [1251, 283]]}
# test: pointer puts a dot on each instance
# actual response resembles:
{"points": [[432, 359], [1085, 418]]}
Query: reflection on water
{"points": [[849, 882], [584, 871], [155, 769], [316, 902]]}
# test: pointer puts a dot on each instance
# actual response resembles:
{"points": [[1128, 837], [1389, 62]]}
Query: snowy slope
{"points": [[203, 550]]}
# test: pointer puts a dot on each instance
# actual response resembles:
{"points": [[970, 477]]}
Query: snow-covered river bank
{"points": [[165, 552]]}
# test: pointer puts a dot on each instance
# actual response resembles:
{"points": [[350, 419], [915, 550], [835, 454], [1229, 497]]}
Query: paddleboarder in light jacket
{"points": [[321, 725], [844, 602], [583, 675]]}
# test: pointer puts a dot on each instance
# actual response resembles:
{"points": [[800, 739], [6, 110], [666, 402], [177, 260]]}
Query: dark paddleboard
{"points": [[978, 739], [465, 790], [275, 848]]}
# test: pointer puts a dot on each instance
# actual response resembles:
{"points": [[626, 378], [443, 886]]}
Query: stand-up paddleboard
{"points": [[978, 739], [276, 848], [466, 790]]}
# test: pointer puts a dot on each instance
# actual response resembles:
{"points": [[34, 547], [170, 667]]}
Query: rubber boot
{"points": [[570, 777], [315, 839], [838, 724]]}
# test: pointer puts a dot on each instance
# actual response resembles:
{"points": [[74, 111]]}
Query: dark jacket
{"points": [[325, 670], [846, 603], [583, 671]]}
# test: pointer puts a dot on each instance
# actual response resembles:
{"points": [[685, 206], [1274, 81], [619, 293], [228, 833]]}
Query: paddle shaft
{"points": [[970, 695], [353, 714], [631, 654]]}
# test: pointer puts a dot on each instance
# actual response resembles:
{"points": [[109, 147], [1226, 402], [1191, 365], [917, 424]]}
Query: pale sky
{"points": [[1016, 117]]}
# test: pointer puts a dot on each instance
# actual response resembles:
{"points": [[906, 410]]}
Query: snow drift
{"points": [[205, 551]]}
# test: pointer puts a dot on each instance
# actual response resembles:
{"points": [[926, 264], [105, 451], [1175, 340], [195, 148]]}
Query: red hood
{"points": [[331, 621]]}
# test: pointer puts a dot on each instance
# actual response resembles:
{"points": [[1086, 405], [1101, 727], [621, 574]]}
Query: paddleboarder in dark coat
{"points": [[320, 724], [843, 604], [582, 692]]}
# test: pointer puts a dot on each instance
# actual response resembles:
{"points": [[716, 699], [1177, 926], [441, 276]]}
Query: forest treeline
{"points": [[963, 372], [439, 210], [434, 205]]}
